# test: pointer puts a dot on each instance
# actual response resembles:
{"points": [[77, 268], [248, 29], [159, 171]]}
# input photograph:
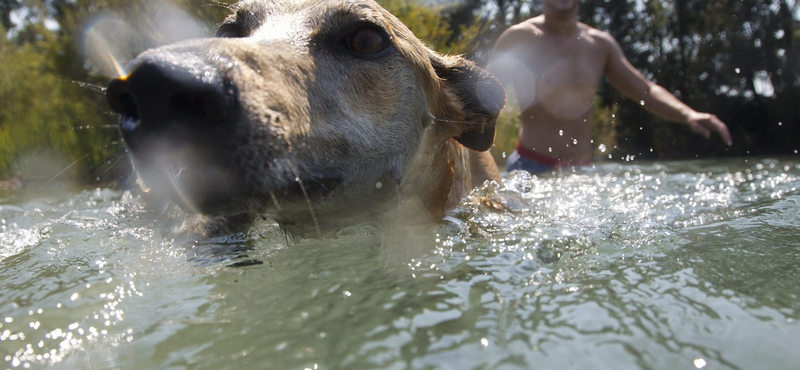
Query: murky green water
{"points": [[667, 265]]}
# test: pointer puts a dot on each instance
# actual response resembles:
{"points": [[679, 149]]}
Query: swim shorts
{"points": [[528, 160]]}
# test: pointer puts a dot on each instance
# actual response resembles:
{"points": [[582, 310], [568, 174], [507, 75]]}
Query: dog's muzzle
{"points": [[176, 113], [158, 96]]}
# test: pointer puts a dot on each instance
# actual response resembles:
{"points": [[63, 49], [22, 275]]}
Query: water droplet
{"points": [[602, 148], [699, 362], [550, 149], [738, 70], [780, 123], [560, 132], [641, 102], [574, 141]]}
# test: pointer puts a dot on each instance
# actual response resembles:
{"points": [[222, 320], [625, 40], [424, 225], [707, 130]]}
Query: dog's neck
{"points": [[437, 178]]}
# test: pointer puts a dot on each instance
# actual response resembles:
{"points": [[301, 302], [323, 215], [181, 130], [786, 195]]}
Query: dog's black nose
{"points": [[158, 96]]}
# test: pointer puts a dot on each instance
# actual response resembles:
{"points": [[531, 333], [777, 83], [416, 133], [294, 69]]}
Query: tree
{"points": [[6, 8]]}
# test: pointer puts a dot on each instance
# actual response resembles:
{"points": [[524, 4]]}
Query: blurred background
{"points": [[735, 58]]}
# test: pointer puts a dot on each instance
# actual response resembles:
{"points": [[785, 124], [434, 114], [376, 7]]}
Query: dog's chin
{"points": [[215, 190], [209, 203], [200, 189]]}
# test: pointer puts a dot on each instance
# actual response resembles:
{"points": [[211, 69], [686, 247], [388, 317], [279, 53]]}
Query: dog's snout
{"points": [[159, 96]]}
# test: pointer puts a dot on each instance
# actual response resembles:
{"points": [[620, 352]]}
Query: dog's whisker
{"points": [[286, 234], [75, 162], [275, 200], [88, 85], [172, 177], [113, 164], [67, 168], [109, 127], [220, 4], [444, 120], [271, 193], [305, 194]]}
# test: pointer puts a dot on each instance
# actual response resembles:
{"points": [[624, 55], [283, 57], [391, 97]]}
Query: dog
{"points": [[318, 114]]}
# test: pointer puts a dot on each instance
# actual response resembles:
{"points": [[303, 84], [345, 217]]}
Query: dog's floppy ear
{"points": [[473, 100]]}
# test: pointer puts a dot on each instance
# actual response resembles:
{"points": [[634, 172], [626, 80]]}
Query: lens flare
{"points": [[110, 44], [167, 23]]}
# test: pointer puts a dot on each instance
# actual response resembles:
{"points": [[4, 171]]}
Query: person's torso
{"points": [[556, 97]]}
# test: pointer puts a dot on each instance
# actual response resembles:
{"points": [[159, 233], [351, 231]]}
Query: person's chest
{"points": [[575, 64]]}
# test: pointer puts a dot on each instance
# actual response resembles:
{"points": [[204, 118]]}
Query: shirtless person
{"points": [[555, 64]]}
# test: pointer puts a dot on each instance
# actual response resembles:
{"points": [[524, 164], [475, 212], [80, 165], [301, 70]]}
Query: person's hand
{"points": [[706, 123]]}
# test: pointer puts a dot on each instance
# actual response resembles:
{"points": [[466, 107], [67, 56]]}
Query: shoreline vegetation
{"points": [[743, 66]]}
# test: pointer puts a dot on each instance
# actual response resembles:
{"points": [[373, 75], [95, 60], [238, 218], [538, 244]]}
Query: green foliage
{"points": [[435, 29], [715, 56], [47, 121], [54, 122], [424, 22], [507, 131]]}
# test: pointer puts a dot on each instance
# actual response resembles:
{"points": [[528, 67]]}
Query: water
{"points": [[665, 265]]}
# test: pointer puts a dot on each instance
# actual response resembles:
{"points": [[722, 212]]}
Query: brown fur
{"points": [[302, 128]]}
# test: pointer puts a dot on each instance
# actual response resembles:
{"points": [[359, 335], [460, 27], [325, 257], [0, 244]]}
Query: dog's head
{"points": [[298, 104]]}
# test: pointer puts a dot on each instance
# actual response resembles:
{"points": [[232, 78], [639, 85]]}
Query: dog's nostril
{"points": [[128, 107], [120, 99], [158, 96]]}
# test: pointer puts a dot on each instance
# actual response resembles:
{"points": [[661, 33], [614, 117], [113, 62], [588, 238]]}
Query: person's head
{"points": [[560, 7]]}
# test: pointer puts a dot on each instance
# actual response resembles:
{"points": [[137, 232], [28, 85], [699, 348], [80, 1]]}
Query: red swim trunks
{"points": [[532, 161]]}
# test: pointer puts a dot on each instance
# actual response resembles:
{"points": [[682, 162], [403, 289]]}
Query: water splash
{"points": [[683, 262]]}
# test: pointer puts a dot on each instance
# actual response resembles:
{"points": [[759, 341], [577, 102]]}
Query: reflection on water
{"points": [[656, 266]]}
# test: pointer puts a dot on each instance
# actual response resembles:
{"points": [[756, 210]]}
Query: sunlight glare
{"points": [[109, 44], [699, 363]]}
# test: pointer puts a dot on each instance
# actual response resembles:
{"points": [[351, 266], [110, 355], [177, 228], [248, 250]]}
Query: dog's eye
{"points": [[229, 30], [368, 40]]}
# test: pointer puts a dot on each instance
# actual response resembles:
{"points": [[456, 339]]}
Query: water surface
{"points": [[662, 265]]}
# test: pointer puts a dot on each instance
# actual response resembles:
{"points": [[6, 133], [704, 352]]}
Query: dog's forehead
{"points": [[293, 19], [266, 8]]}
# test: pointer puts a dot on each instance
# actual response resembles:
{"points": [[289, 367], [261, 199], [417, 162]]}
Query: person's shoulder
{"points": [[526, 30], [601, 37]]}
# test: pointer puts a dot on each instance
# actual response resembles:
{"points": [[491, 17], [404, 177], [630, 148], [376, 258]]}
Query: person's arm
{"points": [[633, 84]]}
